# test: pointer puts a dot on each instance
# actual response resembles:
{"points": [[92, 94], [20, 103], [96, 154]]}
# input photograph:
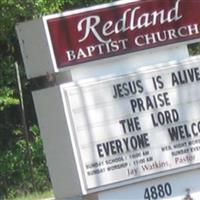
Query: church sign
{"points": [[90, 34], [136, 125]]}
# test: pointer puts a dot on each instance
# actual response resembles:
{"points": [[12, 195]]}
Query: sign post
{"points": [[126, 123]]}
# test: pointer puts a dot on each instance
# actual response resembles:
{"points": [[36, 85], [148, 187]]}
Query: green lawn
{"points": [[36, 196]]}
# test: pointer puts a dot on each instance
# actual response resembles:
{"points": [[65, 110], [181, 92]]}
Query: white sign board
{"points": [[133, 127]]}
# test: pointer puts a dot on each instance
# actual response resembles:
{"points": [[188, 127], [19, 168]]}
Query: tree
{"points": [[14, 176]]}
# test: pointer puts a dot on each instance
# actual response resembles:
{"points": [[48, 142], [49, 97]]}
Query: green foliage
{"points": [[194, 49], [8, 95], [14, 168], [15, 171], [35, 196], [6, 98]]}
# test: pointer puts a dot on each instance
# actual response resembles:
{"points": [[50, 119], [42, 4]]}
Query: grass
{"points": [[36, 196]]}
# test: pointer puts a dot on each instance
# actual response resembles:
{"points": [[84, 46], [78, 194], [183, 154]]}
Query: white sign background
{"points": [[94, 115]]}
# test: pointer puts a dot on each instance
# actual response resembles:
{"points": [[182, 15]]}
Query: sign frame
{"points": [[74, 138], [54, 134]]}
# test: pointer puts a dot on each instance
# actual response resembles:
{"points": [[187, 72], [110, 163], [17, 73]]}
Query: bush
{"points": [[15, 169]]}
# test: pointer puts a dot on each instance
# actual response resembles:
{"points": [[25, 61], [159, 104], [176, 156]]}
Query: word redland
{"points": [[122, 28], [129, 21]]}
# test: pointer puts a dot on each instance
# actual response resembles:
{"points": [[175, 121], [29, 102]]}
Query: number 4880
{"points": [[157, 192]]}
